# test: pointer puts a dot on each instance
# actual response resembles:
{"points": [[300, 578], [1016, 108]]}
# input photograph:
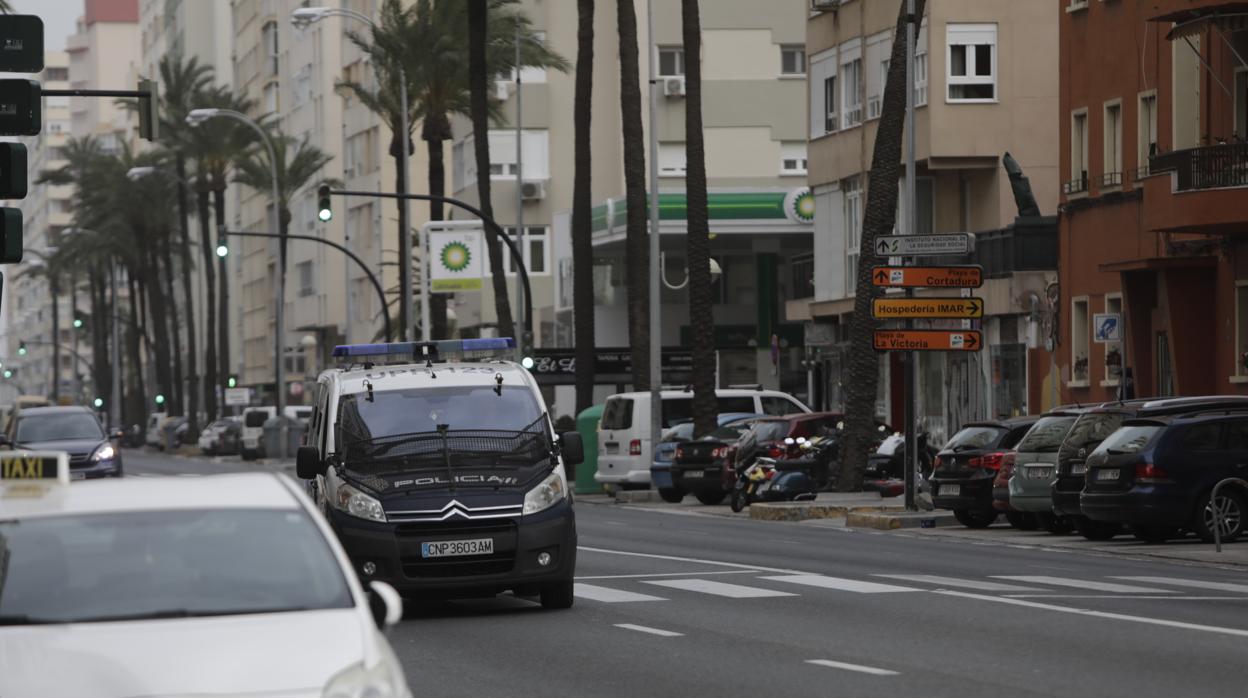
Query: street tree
{"points": [[636, 241], [582, 203], [862, 375]]}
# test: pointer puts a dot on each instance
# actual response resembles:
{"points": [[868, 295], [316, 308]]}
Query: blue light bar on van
{"points": [[443, 348]]}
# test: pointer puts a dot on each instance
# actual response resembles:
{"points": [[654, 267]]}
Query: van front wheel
{"points": [[557, 595]]}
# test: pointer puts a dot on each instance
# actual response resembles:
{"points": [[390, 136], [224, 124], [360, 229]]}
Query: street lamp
{"points": [[196, 117], [304, 17]]}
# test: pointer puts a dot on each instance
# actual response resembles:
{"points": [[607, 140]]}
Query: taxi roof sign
{"points": [[32, 473]]}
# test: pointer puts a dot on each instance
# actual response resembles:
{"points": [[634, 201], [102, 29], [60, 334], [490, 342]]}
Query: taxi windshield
{"points": [[64, 426], [165, 564]]}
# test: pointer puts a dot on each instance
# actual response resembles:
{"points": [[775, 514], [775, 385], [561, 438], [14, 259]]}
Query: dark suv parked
{"points": [[1157, 476], [964, 469], [1095, 426]]}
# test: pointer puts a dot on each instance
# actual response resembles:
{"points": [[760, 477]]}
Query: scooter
{"points": [[784, 480]]}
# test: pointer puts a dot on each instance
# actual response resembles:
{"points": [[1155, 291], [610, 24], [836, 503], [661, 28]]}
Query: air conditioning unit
{"points": [[502, 90], [533, 190], [674, 87], [825, 5]]}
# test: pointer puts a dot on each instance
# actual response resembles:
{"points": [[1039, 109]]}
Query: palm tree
{"points": [[697, 240], [636, 250], [881, 214], [6, 7], [52, 270], [582, 233]]}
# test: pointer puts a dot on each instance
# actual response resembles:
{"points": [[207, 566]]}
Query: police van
{"points": [[437, 465]]}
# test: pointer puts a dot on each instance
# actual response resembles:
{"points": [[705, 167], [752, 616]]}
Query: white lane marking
{"points": [[955, 582], [1153, 597], [1084, 584], [652, 631], [1193, 583], [707, 586], [855, 585], [853, 667], [677, 558], [607, 595], [664, 574], [1237, 632]]}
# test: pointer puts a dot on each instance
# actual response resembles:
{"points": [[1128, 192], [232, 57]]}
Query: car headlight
{"points": [[383, 680], [104, 452], [349, 500], [545, 495]]}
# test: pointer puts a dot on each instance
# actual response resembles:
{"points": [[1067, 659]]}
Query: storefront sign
{"points": [[612, 366]]}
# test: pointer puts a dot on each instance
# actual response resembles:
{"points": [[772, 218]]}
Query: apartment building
{"points": [[1154, 166], [753, 66], [28, 301], [985, 84]]}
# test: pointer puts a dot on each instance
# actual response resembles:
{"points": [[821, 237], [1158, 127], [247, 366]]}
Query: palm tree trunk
{"points": [[55, 388], [136, 400], [582, 202], [102, 375], [636, 243], [211, 382], [176, 405], [862, 375], [478, 80], [158, 314], [192, 347], [435, 131], [405, 226], [697, 241], [223, 307]]}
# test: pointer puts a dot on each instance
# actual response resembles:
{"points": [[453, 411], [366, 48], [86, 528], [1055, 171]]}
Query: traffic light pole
{"points": [[381, 294], [525, 341]]}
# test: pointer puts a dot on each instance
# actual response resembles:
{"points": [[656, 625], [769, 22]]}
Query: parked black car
{"points": [[1157, 476], [93, 452], [1096, 425], [708, 466], [964, 469]]}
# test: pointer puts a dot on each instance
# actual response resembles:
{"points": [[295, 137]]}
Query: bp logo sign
{"points": [[799, 206], [455, 261]]}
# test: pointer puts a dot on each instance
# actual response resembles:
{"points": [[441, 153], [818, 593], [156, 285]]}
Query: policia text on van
{"points": [[440, 471]]}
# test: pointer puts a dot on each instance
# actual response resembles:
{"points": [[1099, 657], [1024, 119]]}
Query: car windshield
{"points": [[972, 438], [1128, 439], [62, 426], [771, 430], [1046, 435], [255, 419], [1089, 429], [727, 433], [153, 564], [421, 410]]}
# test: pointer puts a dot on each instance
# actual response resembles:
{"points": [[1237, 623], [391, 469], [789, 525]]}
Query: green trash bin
{"points": [[587, 426]]}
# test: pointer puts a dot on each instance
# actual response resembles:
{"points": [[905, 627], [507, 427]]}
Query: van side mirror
{"points": [[308, 463], [572, 448]]}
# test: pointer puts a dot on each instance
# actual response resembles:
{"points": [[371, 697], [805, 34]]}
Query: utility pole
{"points": [[912, 357], [519, 180], [114, 401], [656, 326]]}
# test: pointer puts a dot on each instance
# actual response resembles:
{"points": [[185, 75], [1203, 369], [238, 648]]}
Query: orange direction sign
{"points": [[928, 277], [901, 308], [928, 340]]}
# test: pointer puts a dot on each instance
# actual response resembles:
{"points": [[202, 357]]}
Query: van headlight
{"points": [[547, 494], [103, 453], [349, 500], [383, 680]]}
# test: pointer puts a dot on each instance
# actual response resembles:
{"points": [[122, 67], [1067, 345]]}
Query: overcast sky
{"points": [[58, 16]]}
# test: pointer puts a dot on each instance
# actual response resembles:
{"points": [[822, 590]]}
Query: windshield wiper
{"points": [[28, 620]]}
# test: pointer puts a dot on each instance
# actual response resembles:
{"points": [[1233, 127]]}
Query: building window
{"points": [[829, 105], [1079, 342], [271, 102], [1112, 165], [536, 153], [56, 74], [269, 36], [972, 62], [672, 159], [853, 231], [793, 158], [1076, 5], [671, 61], [1113, 350], [1078, 152], [1147, 132], [920, 67], [304, 270], [822, 81], [851, 81], [792, 60], [1241, 328], [536, 250], [877, 59]]}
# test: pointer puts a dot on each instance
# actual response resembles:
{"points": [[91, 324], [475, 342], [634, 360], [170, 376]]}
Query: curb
{"points": [[803, 511], [893, 521]]}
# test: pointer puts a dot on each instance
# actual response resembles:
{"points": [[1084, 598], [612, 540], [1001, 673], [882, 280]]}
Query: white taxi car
{"points": [[226, 585]]}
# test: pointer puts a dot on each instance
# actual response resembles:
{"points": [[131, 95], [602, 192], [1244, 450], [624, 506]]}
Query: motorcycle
{"points": [[784, 480]]}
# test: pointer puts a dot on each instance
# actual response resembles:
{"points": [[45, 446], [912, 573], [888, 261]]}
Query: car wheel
{"points": [[1097, 530], [671, 494], [557, 595], [1153, 533], [711, 498], [740, 500], [1055, 524], [1230, 507], [975, 518], [1022, 520]]}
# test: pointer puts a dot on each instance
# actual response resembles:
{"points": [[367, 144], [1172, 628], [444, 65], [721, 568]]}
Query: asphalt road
{"points": [[672, 604]]}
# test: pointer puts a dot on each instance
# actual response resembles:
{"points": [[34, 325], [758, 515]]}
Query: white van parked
{"points": [[253, 426], [625, 450]]}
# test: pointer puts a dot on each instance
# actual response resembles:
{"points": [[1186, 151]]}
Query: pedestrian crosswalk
{"points": [[164, 475], [759, 584]]}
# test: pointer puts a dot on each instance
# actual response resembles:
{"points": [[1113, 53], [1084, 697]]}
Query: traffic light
{"points": [[21, 348], [222, 249], [9, 372], [80, 321], [324, 210], [98, 402], [160, 399], [21, 102], [231, 382], [149, 116]]}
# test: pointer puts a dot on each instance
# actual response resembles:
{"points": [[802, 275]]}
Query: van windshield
{"points": [[421, 410]]}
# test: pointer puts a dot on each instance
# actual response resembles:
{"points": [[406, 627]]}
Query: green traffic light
{"points": [[324, 210], [21, 349], [160, 399], [232, 382], [98, 402], [527, 362], [222, 250], [77, 323], [8, 373]]}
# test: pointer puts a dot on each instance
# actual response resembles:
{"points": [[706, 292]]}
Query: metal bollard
{"points": [[1217, 515]]}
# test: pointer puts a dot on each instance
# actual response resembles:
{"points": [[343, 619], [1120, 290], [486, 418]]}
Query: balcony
{"points": [[1198, 190]]}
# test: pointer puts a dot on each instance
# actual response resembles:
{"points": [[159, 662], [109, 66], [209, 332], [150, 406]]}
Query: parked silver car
{"points": [[1035, 464]]}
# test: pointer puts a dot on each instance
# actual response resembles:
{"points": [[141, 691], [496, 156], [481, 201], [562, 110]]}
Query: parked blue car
{"points": [[661, 467]]}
